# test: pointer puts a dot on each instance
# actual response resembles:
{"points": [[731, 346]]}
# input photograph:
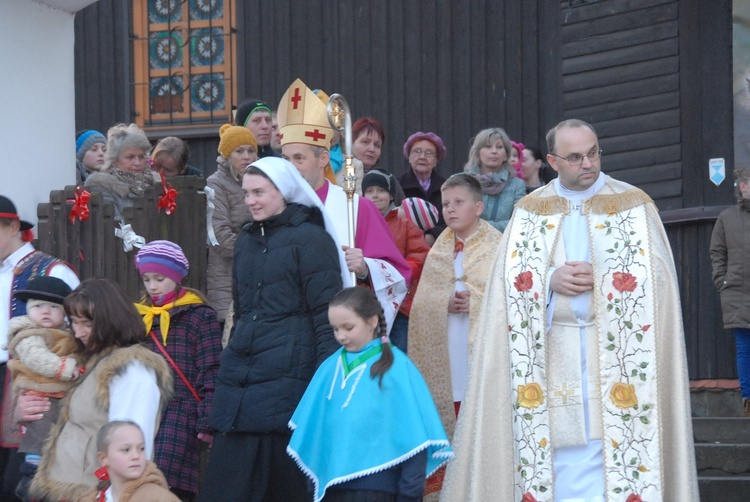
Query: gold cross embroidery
{"points": [[564, 395]]}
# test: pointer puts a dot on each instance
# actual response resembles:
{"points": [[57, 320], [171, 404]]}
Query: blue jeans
{"points": [[399, 331], [742, 339]]}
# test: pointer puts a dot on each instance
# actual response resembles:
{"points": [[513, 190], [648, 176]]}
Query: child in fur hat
{"points": [[43, 352]]}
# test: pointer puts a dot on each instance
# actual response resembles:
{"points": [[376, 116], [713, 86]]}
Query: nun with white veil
{"points": [[286, 270]]}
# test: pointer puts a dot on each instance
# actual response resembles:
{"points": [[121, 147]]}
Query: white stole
{"points": [[387, 283], [458, 336], [624, 317]]}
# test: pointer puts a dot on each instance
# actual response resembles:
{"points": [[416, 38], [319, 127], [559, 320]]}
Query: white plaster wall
{"points": [[37, 113]]}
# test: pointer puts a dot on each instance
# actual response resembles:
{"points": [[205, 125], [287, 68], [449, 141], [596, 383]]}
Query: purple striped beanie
{"points": [[164, 258]]}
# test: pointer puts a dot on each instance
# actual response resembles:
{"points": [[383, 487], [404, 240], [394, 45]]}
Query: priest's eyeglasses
{"points": [[576, 159]]}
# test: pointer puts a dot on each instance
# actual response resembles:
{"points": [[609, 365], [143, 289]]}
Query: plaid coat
{"points": [[194, 343]]}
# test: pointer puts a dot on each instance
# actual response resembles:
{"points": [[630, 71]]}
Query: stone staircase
{"points": [[722, 444]]}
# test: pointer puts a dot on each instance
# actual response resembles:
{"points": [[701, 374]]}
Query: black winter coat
{"points": [[286, 271]]}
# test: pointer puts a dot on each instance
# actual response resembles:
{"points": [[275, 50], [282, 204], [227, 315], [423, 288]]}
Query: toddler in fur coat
{"points": [[43, 356]]}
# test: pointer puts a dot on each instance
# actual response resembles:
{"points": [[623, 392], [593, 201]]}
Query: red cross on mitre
{"points": [[296, 98], [316, 135]]}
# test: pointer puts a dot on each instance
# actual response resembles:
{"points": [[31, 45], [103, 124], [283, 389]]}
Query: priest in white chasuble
{"points": [[578, 384]]}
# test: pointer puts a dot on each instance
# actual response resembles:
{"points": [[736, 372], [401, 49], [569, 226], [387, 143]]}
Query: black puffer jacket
{"points": [[285, 272]]}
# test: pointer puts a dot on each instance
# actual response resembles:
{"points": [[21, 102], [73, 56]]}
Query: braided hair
{"points": [[365, 304]]}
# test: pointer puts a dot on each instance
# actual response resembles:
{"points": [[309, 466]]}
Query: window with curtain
{"points": [[184, 62]]}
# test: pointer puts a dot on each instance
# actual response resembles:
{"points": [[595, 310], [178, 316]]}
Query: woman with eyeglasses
{"points": [[126, 174], [424, 150], [489, 161]]}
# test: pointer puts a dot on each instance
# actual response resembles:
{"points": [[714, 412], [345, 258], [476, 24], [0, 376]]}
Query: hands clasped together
{"points": [[573, 278]]}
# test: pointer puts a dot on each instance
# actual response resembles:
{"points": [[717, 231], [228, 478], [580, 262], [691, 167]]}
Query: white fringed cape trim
{"points": [[440, 454]]}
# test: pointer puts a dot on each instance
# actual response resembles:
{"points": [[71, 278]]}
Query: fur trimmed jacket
{"points": [[116, 190], [44, 359], [69, 458], [151, 486]]}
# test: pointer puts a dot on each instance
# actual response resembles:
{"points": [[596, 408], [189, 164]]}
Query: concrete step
{"points": [[718, 402], [733, 430], [722, 459], [724, 489]]}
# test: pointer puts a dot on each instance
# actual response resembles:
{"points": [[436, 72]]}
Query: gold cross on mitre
{"points": [[303, 117]]}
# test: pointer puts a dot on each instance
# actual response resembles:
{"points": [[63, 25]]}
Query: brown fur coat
{"points": [[150, 487], [69, 457]]}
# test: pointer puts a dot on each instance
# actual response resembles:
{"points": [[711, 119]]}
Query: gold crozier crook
{"points": [[341, 120]]}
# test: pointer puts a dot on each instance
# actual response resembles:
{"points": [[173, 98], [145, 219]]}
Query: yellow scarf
{"points": [[148, 312]]}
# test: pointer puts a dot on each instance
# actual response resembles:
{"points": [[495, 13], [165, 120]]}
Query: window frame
{"points": [[187, 119]]}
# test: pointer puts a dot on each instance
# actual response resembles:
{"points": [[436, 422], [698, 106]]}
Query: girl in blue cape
{"points": [[367, 422]]}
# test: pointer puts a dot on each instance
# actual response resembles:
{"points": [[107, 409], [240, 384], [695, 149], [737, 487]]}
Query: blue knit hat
{"points": [[164, 258], [87, 139]]}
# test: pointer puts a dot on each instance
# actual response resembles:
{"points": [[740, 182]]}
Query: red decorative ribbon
{"points": [[168, 196], [102, 474], [459, 246], [27, 235], [80, 207]]}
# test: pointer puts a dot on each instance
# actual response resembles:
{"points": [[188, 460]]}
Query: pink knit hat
{"points": [[428, 136], [164, 258], [421, 212]]}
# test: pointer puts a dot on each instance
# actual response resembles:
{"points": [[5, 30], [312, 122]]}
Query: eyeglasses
{"points": [[576, 159], [428, 154]]}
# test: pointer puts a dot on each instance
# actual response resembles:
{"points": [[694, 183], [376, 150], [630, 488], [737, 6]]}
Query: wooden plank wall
{"points": [[706, 132], [711, 349], [653, 76], [203, 153], [103, 65], [620, 72], [448, 67], [93, 250]]}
